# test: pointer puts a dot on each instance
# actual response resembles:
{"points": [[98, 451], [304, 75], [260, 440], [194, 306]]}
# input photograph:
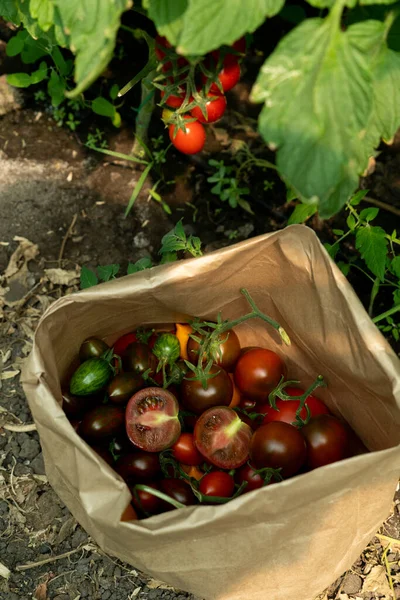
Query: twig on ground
{"points": [[65, 239], [33, 565]]}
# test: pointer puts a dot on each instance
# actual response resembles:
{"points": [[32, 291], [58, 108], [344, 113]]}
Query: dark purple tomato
{"points": [[327, 440], [76, 406], [279, 446], [178, 490], [122, 387], [92, 348], [146, 502], [258, 372], [250, 476], [138, 358], [219, 391], [139, 467], [104, 453], [102, 422]]}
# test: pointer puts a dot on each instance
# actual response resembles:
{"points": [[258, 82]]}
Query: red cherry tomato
{"points": [[225, 353], [123, 342], [287, 408], [217, 483], [190, 141], [161, 44], [248, 474], [240, 45], [228, 76], [258, 372], [145, 501], [185, 451], [219, 391], [215, 108], [173, 101]]}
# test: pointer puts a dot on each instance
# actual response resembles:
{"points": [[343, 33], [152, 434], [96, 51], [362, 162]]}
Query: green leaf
{"points": [[396, 297], [179, 230], [40, 74], [92, 27], [369, 214], [344, 267], [21, 80], [137, 188], [16, 44], [43, 11], [114, 91], [356, 199], [194, 26], [301, 213], [56, 88], [62, 65], [338, 231], [33, 50], [9, 11], [116, 120], [351, 222], [102, 106], [168, 257], [385, 120], [332, 250], [317, 86], [139, 265], [291, 194], [107, 272], [372, 244], [88, 278], [395, 266]]}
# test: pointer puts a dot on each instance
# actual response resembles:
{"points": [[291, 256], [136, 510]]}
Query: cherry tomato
{"points": [[139, 467], [278, 445], [287, 408], [129, 514], [248, 404], [225, 352], [76, 406], [173, 101], [240, 45], [138, 358], [152, 421], [215, 108], [104, 453], [145, 502], [327, 440], [161, 44], [258, 372], [248, 474], [228, 76], [92, 348], [123, 342], [190, 141], [217, 483], [218, 393], [236, 398], [222, 437], [178, 490], [123, 386], [102, 422], [183, 330], [185, 451]]}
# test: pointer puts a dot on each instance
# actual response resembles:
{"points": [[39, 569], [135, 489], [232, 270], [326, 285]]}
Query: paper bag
{"points": [[288, 540]]}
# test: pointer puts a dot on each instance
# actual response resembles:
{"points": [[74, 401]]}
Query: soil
{"points": [[70, 202]]}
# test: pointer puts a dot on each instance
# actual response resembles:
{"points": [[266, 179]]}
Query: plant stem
{"points": [[161, 495], [144, 115], [374, 293], [387, 313]]}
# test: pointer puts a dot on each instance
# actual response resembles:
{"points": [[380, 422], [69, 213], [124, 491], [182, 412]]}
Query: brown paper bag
{"points": [[289, 540]]}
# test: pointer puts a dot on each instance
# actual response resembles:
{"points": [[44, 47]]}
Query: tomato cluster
{"points": [[185, 422], [193, 97]]}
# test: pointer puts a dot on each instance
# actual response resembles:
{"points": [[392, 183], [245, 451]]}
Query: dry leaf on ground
{"points": [[376, 581], [25, 252], [62, 277]]}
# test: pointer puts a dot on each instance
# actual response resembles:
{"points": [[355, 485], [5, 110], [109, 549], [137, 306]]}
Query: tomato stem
{"points": [[279, 392], [161, 495]]}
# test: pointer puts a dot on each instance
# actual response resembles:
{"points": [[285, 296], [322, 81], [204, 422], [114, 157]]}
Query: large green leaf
{"points": [[9, 11], [372, 244], [329, 96], [92, 26], [198, 26]]}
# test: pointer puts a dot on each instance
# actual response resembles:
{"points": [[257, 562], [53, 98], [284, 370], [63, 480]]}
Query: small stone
{"points": [[117, 572], [30, 449], [78, 538], [106, 595], [21, 469], [351, 583], [38, 464], [140, 240]]}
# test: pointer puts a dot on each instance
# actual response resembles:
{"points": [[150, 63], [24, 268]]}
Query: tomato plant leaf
{"points": [[102, 106], [107, 272], [16, 44], [372, 244], [356, 199], [301, 213], [43, 11], [395, 266], [40, 74], [396, 297], [92, 26], [194, 26], [369, 214], [21, 80], [56, 88], [318, 91], [332, 249], [139, 265], [88, 278]]}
